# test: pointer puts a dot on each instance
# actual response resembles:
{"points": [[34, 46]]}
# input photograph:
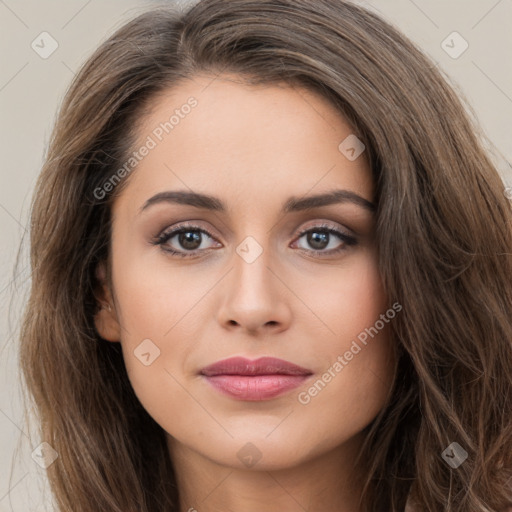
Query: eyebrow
{"points": [[293, 204]]}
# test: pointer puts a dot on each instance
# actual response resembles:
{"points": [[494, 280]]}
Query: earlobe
{"points": [[105, 320], [107, 325]]}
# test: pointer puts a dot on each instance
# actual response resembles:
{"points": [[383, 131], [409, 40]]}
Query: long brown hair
{"points": [[444, 233]]}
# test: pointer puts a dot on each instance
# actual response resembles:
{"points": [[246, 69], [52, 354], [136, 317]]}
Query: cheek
{"points": [[156, 304], [357, 352], [155, 295], [349, 394], [345, 300]]}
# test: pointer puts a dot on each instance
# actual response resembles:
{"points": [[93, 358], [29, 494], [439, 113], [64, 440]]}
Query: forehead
{"points": [[247, 144]]}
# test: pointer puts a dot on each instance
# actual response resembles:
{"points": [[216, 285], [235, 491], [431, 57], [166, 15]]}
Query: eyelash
{"points": [[323, 228]]}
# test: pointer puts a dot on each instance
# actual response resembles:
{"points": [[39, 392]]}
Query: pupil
{"points": [[189, 239], [316, 237]]}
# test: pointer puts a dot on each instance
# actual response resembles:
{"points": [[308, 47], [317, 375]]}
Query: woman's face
{"points": [[268, 280]]}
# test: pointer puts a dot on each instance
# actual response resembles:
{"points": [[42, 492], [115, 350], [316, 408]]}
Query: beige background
{"points": [[31, 88]]}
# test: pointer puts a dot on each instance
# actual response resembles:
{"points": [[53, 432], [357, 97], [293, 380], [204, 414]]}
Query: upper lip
{"points": [[261, 366]]}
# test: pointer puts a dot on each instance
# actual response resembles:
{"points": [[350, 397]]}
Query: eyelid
{"points": [[191, 225], [322, 224], [195, 225]]}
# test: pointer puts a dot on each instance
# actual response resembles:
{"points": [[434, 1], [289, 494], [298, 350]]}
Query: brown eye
{"points": [[189, 240], [187, 243], [319, 238]]}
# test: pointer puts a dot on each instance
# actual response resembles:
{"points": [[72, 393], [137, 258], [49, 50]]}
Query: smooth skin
{"points": [[252, 147]]}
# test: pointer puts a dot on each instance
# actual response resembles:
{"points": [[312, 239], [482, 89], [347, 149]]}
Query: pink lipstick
{"points": [[262, 379]]}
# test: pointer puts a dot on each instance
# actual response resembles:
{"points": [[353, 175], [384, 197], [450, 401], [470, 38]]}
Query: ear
{"points": [[105, 319]]}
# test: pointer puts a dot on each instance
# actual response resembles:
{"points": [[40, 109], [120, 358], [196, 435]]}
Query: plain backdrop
{"points": [[31, 88]]}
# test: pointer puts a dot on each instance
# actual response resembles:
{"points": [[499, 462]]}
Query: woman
{"points": [[271, 271]]}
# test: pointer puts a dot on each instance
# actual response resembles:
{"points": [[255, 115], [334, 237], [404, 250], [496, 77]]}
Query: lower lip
{"points": [[255, 387]]}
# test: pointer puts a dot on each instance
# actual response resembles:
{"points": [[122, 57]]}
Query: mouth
{"points": [[262, 379]]}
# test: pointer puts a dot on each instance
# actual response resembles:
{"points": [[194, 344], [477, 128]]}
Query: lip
{"points": [[261, 379]]}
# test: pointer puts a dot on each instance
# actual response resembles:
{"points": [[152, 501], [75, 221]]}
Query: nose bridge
{"points": [[252, 297], [251, 275], [253, 252]]}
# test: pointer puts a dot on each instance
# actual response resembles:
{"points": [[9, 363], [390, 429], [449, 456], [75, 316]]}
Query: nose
{"points": [[255, 298]]}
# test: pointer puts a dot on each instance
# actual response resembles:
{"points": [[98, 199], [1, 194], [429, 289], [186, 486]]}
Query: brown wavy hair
{"points": [[444, 234]]}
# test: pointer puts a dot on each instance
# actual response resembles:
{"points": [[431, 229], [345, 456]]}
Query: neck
{"points": [[326, 483]]}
